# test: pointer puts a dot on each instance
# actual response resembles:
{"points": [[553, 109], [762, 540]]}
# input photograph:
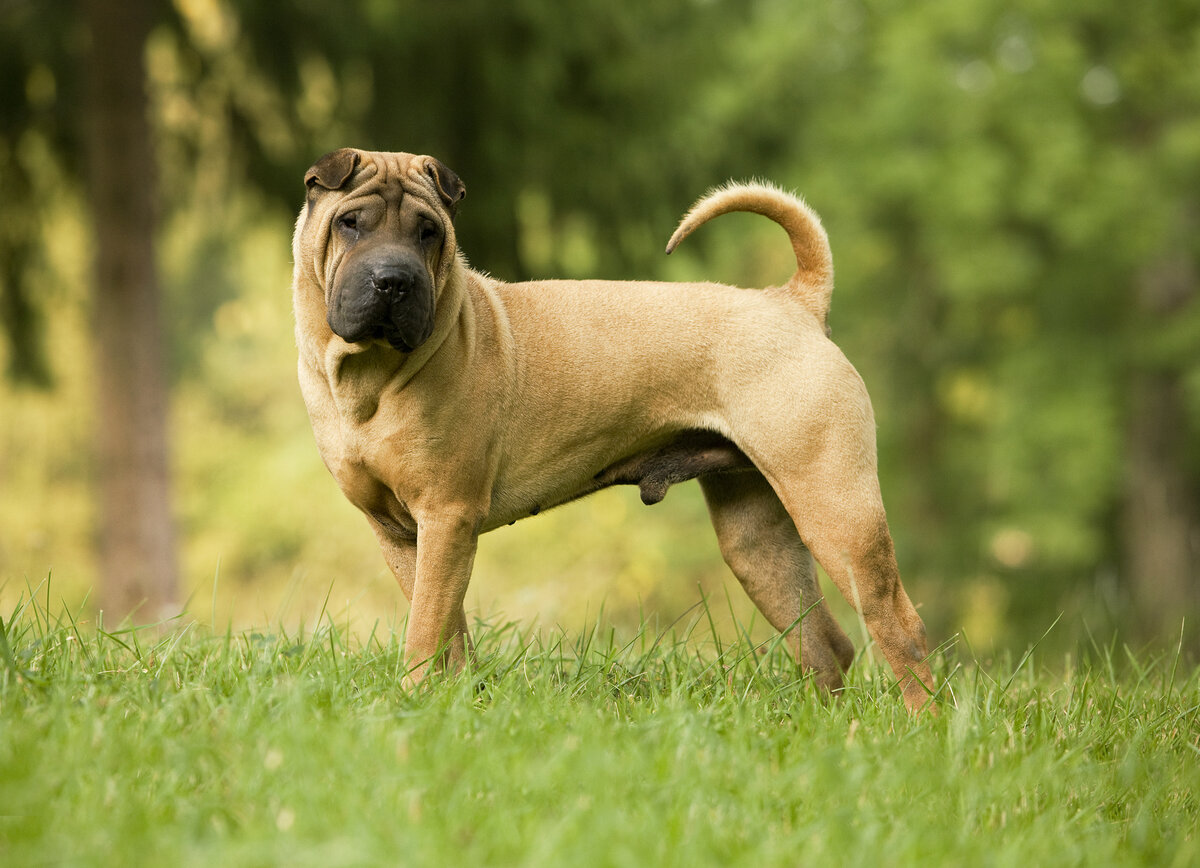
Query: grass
{"points": [[192, 748]]}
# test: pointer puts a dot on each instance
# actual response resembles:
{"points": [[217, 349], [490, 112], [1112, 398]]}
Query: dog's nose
{"points": [[392, 280]]}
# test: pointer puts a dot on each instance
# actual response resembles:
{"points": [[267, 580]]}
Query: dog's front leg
{"points": [[437, 626]]}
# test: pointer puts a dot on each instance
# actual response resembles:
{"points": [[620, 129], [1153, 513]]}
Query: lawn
{"points": [[189, 747]]}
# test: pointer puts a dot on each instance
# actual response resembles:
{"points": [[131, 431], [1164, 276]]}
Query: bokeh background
{"points": [[1011, 187]]}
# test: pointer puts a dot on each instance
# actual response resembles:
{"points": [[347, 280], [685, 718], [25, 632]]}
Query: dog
{"points": [[447, 403]]}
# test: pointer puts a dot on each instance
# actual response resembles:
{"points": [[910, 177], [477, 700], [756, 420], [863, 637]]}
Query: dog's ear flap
{"points": [[332, 170], [448, 185]]}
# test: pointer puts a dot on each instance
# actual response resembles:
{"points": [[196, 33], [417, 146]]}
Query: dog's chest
{"points": [[361, 482], [364, 462]]}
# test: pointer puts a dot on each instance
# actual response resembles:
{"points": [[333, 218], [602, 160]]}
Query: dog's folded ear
{"points": [[448, 185], [332, 170]]}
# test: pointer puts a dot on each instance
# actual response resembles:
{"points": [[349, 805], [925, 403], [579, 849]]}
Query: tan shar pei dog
{"points": [[447, 403]]}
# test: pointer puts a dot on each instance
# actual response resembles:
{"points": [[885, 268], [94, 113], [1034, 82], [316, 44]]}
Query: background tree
{"points": [[137, 534], [84, 85]]}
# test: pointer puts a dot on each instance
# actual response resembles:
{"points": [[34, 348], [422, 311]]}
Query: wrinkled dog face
{"points": [[383, 225]]}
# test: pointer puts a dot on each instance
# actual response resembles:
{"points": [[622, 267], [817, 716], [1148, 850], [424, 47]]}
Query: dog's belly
{"points": [[683, 456]]}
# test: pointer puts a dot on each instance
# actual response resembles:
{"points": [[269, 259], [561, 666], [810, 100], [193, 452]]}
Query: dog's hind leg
{"points": [[840, 516], [758, 540]]}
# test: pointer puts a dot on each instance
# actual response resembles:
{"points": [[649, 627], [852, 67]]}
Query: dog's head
{"points": [[377, 235]]}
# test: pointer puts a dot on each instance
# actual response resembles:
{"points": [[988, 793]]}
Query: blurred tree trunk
{"points": [[1162, 517], [21, 318], [138, 570]]}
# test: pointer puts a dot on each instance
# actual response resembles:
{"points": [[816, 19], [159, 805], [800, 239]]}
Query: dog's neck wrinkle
{"points": [[452, 313], [356, 375]]}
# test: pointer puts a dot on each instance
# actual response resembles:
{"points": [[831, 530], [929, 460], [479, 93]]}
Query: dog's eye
{"points": [[430, 232], [349, 222]]}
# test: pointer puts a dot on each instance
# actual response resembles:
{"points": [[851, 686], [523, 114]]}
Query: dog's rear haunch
{"points": [[447, 403]]}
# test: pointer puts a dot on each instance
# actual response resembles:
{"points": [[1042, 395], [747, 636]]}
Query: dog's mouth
{"points": [[404, 335], [391, 303]]}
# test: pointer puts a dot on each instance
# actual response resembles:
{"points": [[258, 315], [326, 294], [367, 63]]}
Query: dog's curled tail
{"points": [[813, 280]]}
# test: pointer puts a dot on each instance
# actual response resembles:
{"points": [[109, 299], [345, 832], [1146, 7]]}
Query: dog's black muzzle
{"points": [[389, 297]]}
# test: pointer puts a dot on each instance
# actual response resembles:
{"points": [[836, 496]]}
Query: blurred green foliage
{"points": [[1012, 191]]}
